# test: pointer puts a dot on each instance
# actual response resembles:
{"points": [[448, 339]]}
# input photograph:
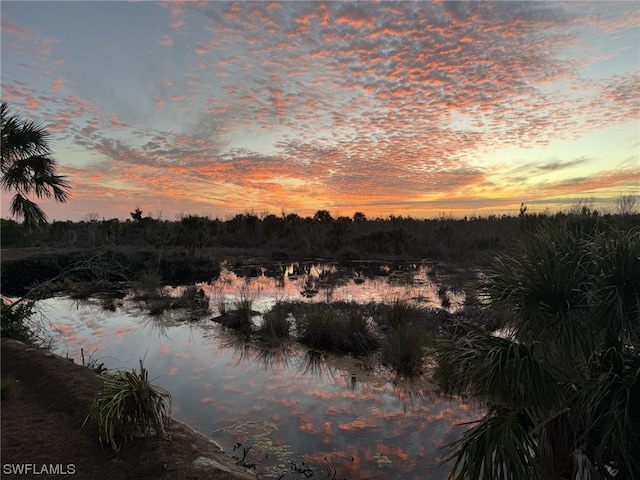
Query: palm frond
{"points": [[497, 448], [27, 168], [33, 215], [501, 370]]}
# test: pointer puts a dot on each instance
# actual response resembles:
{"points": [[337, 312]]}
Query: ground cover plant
{"points": [[563, 387], [129, 405]]}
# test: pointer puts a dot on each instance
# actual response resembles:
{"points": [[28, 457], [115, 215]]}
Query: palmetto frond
{"points": [[564, 391], [30, 211], [506, 372], [27, 168], [499, 447]]}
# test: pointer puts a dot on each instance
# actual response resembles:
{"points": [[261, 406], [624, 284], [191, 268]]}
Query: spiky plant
{"points": [[564, 390], [129, 405]]}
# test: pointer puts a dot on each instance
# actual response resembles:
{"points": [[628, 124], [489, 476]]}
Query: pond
{"points": [[291, 412]]}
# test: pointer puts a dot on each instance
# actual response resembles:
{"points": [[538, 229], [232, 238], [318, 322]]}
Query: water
{"points": [[289, 406]]}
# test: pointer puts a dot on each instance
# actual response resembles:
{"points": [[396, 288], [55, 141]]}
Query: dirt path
{"points": [[41, 420]]}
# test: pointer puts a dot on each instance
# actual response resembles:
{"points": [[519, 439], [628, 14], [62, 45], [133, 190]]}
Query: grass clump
{"points": [[239, 317], [129, 405], [399, 312], [403, 350], [338, 327], [276, 325], [148, 283]]}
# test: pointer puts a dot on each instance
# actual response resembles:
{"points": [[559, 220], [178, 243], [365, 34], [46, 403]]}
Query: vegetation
{"points": [[130, 405], [15, 322], [341, 327], [27, 168], [276, 325], [103, 269], [563, 387], [403, 349]]}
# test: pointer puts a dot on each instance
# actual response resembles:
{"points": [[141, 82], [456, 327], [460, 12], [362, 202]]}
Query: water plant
{"points": [[129, 405], [397, 313], [147, 285], [338, 326], [240, 316], [276, 324], [403, 349]]}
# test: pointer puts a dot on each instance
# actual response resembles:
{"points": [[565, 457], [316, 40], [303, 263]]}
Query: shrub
{"points": [[564, 387], [130, 405], [14, 322]]}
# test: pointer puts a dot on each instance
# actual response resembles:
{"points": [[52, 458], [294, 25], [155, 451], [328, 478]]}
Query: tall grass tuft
{"points": [[337, 327], [239, 318], [403, 350], [276, 324], [130, 405], [398, 312]]}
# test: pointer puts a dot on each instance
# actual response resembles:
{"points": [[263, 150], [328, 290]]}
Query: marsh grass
{"points": [[148, 284], [403, 349], [240, 316], [130, 405], [339, 327], [193, 298], [397, 312], [276, 324]]}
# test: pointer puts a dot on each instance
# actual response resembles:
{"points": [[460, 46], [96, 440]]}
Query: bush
{"points": [[130, 405], [14, 322], [564, 387]]}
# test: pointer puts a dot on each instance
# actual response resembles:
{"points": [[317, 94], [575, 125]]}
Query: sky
{"points": [[386, 108]]}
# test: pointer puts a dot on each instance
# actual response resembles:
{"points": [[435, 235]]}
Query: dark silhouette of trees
{"points": [[27, 168]]}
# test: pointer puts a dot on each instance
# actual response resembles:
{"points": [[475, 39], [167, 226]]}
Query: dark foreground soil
{"points": [[41, 426]]}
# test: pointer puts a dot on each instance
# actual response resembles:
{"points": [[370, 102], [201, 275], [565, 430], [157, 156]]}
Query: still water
{"points": [[289, 406]]}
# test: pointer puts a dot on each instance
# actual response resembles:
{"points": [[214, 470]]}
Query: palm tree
{"points": [[563, 385], [27, 167]]}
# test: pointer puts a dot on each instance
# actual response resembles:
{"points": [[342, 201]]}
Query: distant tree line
{"points": [[290, 236]]}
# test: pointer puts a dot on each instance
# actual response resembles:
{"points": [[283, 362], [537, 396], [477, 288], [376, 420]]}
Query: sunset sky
{"points": [[403, 108]]}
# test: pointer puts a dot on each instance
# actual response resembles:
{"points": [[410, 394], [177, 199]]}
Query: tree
{"points": [[627, 204], [27, 168], [563, 387], [323, 216], [359, 217]]}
